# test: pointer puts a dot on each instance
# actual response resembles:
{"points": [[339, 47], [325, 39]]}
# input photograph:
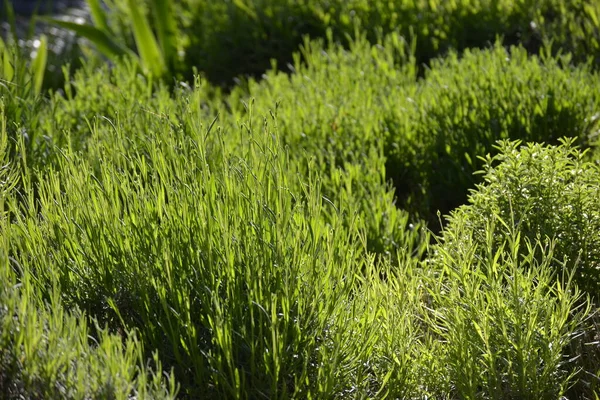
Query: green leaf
{"points": [[38, 65], [152, 59], [8, 72], [98, 15], [591, 12], [166, 29], [10, 18], [244, 7], [105, 44]]}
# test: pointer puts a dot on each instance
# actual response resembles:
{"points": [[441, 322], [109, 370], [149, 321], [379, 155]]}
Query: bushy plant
{"points": [[440, 126], [331, 111], [45, 351], [226, 40], [238, 271], [537, 208], [339, 137], [543, 193], [342, 103], [506, 322], [251, 241]]}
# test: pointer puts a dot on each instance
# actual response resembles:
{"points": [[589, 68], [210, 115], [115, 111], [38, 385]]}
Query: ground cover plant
{"points": [[542, 193], [349, 227], [226, 40], [434, 128], [463, 106], [540, 202], [288, 259], [45, 349]]}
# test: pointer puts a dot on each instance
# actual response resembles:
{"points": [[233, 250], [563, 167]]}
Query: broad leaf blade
{"points": [[98, 15], [10, 18], [103, 42], [166, 29], [8, 72], [152, 58]]}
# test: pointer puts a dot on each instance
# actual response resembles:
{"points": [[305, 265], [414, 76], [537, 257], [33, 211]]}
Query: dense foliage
{"points": [[228, 39], [350, 225]]}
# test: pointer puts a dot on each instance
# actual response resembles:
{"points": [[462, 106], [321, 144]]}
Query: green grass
{"points": [[433, 128], [463, 106], [226, 40], [162, 240]]}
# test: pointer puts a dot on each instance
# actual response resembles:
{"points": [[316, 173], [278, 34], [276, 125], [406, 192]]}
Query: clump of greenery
{"points": [[506, 322], [344, 149], [539, 207], [227, 40], [332, 109], [440, 127], [237, 269], [543, 193], [336, 99], [45, 350], [20, 92], [250, 242], [433, 129]]}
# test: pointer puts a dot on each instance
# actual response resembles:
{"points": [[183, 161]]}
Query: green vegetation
{"points": [[228, 39], [463, 106], [542, 193], [355, 226]]}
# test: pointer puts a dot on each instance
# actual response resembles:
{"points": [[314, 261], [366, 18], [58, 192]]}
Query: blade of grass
{"points": [[8, 72], [10, 18]]}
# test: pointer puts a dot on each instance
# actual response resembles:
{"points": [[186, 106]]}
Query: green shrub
{"points": [[433, 130], [236, 269], [343, 103], [538, 206], [331, 111], [225, 40], [542, 193], [332, 131], [506, 323], [260, 253], [45, 350], [439, 127]]}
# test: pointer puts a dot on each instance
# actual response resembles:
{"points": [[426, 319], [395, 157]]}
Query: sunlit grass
{"points": [[160, 241]]}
